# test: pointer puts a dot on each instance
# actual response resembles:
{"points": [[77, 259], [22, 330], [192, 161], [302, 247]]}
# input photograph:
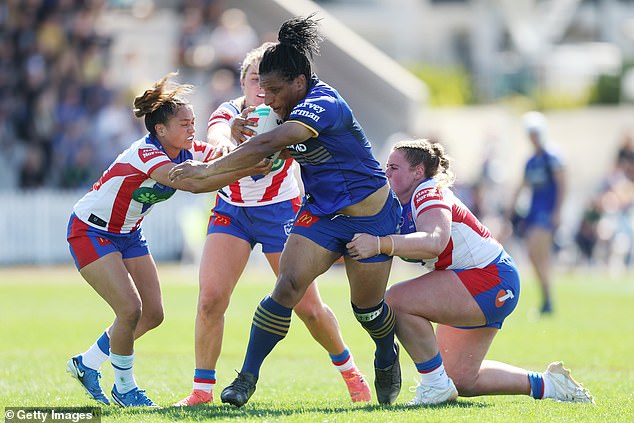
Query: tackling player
{"points": [[471, 287], [107, 243]]}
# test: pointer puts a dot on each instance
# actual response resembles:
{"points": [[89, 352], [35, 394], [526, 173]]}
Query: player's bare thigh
{"points": [[367, 281], [302, 261], [438, 296], [223, 260]]}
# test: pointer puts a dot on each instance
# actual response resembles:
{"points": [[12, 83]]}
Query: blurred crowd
{"points": [[59, 113], [601, 233], [606, 232], [63, 120]]}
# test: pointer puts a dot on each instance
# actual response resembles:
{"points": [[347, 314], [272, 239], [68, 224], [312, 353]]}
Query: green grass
{"points": [[49, 314]]}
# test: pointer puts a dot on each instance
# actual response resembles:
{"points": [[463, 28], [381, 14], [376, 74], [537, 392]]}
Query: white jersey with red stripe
{"points": [[470, 245], [125, 193], [259, 190]]}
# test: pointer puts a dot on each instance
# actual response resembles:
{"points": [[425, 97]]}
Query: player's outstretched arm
{"points": [[202, 182], [247, 154]]}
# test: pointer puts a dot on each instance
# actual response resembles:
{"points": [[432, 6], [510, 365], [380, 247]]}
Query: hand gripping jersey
{"points": [[338, 166], [470, 245], [125, 193], [259, 190]]}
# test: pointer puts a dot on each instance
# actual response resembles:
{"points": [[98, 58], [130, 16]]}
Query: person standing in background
{"points": [[544, 175]]}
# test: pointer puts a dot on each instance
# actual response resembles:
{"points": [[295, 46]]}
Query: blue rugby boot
{"points": [[134, 398], [88, 378]]}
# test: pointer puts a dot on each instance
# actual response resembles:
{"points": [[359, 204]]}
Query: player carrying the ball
{"points": [[255, 209], [346, 193]]}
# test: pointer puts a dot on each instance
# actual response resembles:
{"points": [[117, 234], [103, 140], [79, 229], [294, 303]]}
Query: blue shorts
{"points": [[268, 225], [496, 288], [88, 244], [334, 231], [541, 219]]}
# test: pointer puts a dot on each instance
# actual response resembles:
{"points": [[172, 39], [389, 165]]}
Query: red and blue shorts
{"points": [[268, 225], [88, 244], [496, 288]]}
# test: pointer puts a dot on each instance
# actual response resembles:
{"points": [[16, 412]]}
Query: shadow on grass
{"points": [[259, 410]]}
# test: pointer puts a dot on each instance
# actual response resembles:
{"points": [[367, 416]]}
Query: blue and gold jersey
{"points": [[337, 164]]}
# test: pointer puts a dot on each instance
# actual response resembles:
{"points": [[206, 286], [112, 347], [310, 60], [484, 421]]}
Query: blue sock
{"points": [[104, 343], [270, 325], [537, 384], [338, 359], [429, 365], [379, 322]]}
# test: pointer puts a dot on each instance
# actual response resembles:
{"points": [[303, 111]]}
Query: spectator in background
{"points": [[605, 234], [231, 40], [545, 177], [53, 63]]}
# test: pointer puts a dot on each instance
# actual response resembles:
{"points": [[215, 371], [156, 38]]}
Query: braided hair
{"points": [[298, 42], [431, 155]]}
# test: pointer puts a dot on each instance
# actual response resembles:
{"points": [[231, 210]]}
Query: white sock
{"points": [[123, 374], [437, 377], [94, 357], [207, 387], [348, 365], [344, 361], [204, 379], [548, 387]]}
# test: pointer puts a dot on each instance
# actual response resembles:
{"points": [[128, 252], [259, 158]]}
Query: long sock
{"points": [[537, 384], [379, 322], [432, 372], [98, 353], [123, 375], [344, 361], [204, 379], [270, 325]]}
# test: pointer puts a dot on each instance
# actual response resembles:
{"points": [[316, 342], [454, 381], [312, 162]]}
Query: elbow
{"points": [[436, 249]]}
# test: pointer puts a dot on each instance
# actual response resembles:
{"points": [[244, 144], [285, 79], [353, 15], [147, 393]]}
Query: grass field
{"points": [[50, 314]]}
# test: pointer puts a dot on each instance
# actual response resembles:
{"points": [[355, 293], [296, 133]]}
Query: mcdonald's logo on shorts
{"points": [[220, 220], [103, 241], [305, 219]]}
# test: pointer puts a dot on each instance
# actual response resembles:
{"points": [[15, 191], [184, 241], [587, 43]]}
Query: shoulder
{"points": [[554, 156], [427, 191], [227, 110], [321, 91]]}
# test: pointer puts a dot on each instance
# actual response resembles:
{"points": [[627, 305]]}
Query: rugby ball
{"points": [[267, 120]]}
